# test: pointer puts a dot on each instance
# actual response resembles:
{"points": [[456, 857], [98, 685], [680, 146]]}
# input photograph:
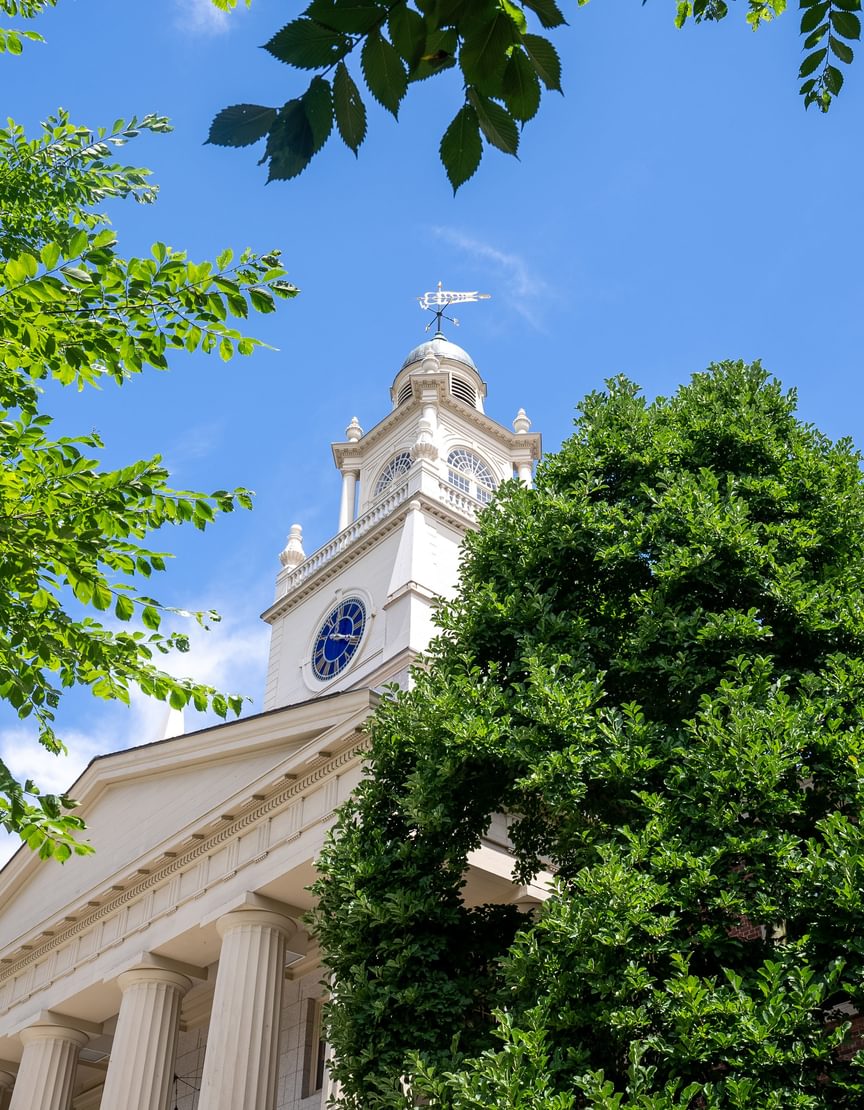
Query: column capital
{"points": [[53, 1033], [265, 919], [127, 979]]}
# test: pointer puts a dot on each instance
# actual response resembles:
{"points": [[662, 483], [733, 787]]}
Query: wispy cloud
{"points": [[231, 657], [201, 16], [517, 284]]}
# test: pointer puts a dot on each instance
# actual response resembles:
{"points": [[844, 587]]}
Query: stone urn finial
{"points": [[521, 424], [293, 554]]}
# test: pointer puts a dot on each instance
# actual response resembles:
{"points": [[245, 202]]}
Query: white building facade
{"points": [[171, 968]]}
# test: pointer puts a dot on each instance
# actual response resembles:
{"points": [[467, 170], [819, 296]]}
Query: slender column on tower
{"points": [[145, 1044], [353, 433], [349, 496], [47, 1070], [523, 460], [7, 1082], [242, 1056]]}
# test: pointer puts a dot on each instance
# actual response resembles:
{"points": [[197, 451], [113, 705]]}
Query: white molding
{"points": [[166, 874]]}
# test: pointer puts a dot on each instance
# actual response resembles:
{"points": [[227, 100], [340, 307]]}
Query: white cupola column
{"points": [[47, 1070], [349, 497], [145, 1045], [242, 1056], [353, 433], [7, 1082], [523, 460]]}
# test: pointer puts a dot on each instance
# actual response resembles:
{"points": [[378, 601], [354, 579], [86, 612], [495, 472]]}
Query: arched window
{"points": [[468, 472], [400, 464]]}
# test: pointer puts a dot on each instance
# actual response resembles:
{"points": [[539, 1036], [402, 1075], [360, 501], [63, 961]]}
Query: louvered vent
{"points": [[463, 392], [404, 393]]}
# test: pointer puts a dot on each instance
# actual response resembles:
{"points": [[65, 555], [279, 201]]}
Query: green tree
{"points": [[74, 536], [503, 65], [655, 666]]}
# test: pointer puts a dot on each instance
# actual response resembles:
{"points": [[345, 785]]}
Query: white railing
{"points": [[460, 501], [383, 507], [345, 538]]}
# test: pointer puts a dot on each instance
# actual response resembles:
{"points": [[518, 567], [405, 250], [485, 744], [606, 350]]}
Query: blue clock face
{"points": [[338, 638]]}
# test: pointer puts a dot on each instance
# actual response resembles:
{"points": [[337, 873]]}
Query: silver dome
{"points": [[441, 348]]}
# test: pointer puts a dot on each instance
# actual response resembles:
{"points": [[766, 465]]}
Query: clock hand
{"points": [[344, 636]]}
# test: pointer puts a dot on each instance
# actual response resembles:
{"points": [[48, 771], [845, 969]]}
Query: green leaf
{"points": [[318, 105], [384, 72], [846, 24], [461, 147], [123, 608], [816, 37], [484, 53], [241, 125], [521, 87], [150, 617], [812, 61], [833, 79], [438, 54], [547, 11], [50, 255], [517, 15], [290, 144], [407, 33], [262, 301], [496, 123], [813, 16], [355, 18], [308, 45], [840, 50], [544, 58], [349, 109]]}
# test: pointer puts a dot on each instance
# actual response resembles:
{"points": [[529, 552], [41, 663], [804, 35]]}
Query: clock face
{"points": [[338, 638]]}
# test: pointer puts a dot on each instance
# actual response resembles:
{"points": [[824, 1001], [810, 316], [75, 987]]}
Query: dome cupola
{"points": [[438, 355]]}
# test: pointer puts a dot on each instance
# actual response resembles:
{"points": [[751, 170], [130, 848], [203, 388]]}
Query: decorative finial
{"points": [[354, 432], [442, 298], [293, 554], [521, 424]]}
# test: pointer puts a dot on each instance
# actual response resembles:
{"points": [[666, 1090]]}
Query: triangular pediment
{"points": [[142, 805]]}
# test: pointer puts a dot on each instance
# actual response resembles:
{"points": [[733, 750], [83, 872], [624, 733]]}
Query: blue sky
{"points": [[676, 206]]}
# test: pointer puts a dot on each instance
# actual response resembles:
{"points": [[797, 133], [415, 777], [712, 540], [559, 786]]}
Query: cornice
{"points": [[187, 851], [369, 539], [459, 409]]}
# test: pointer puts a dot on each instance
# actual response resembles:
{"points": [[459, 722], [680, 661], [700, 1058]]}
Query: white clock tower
{"points": [[359, 610]]}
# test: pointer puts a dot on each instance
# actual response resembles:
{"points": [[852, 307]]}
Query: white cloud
{"points": [[201, 16], [521, 288]]}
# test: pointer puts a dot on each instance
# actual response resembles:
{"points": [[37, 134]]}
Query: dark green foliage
{"points": [[502, 63], [655, 665]]}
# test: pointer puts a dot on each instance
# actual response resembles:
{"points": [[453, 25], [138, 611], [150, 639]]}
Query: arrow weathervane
{"points": [[442, 298]]}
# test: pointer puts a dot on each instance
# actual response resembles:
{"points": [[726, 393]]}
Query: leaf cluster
{"points": [[74, 537], [655, 667], [496, 53], [12, 40], [504, 67]]}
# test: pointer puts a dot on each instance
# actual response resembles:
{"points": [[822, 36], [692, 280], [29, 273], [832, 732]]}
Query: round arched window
{"points": [[400, 464], [468, 472]]}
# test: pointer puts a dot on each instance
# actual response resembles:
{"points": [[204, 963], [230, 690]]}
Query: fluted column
{"points": [[242, 1057], [145, 1044], [47, 1070], [7, 1082], [525, 472], [349, 496]]}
